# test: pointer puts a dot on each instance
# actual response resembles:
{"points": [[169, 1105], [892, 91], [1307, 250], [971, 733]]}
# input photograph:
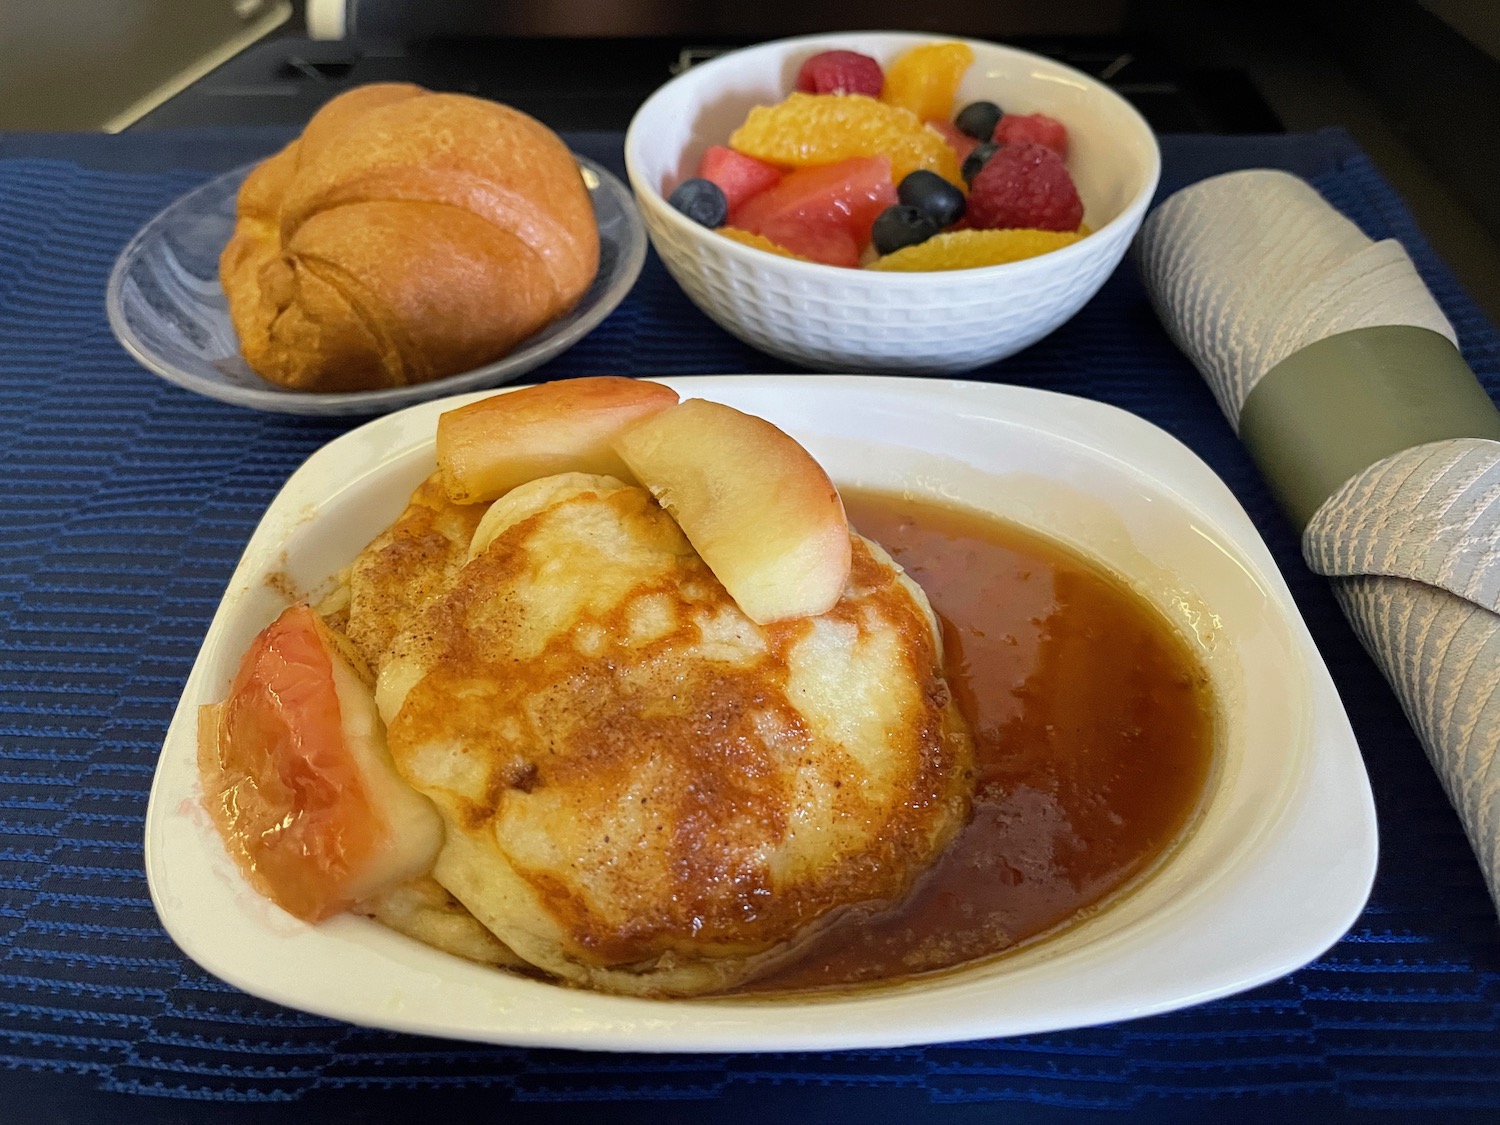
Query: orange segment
{"points": [[925, 79], [759, 242], [970, 249], [809, 129]]}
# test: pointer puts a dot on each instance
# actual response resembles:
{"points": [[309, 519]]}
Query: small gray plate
{"points": [[167, 308]]}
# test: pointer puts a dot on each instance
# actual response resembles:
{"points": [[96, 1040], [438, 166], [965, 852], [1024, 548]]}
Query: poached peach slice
{"points": [[753, 503], [488, 447], [298, 780]]}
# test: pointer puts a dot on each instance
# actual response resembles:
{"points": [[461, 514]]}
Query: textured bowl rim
{"points": [[648, 196]]}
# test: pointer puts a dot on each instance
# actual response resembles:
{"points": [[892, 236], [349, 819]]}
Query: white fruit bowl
{"points": [[830, 318]]}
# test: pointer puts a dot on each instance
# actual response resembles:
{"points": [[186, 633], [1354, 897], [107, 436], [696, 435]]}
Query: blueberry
{"points": [[901, 225], [979, 119], [702, 201], [976, 160], [934, 196]]}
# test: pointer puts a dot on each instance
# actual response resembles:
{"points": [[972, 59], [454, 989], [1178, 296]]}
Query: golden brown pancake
{"points": [[400, 570], [406, 565], [643, 790], [421, 909]]}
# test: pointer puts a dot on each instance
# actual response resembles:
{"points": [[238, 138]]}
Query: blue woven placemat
{"points": [[125, 505]]}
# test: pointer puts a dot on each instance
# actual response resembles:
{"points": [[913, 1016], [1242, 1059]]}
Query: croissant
{"points": [[404, 236]]}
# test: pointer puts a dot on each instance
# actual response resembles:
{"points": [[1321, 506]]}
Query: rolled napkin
{"points": [[1343, 378]]}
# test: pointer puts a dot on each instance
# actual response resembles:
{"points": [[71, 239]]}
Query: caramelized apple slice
{"points": [[754, 504], [488, 447], [298, 780]]}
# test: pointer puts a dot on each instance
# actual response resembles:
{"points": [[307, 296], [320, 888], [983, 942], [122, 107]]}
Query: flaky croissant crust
{"points": [[404, 236]]}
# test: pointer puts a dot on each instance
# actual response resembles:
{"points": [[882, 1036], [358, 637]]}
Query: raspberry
{"points": [[1036, 128], [1024, 185], [841, 72]]}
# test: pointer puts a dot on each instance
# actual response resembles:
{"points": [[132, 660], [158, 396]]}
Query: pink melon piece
{"points": [[824, 212], [740, 177]]}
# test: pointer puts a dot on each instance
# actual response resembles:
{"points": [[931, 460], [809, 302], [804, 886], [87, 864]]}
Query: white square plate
{"points": [[1276, 868]]}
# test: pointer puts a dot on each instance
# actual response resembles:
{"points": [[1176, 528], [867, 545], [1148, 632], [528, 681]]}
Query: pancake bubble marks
{"points": [[643, 790]]}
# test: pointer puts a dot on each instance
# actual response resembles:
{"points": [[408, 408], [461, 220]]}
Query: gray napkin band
{"points": [[1329, 411]]}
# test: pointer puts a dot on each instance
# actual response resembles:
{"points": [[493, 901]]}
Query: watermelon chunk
{"points": [[824, 212], [738, 176], [813, 239]]}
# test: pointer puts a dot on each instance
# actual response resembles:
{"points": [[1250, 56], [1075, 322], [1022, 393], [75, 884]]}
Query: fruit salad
{"points": [[869, 167]]}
